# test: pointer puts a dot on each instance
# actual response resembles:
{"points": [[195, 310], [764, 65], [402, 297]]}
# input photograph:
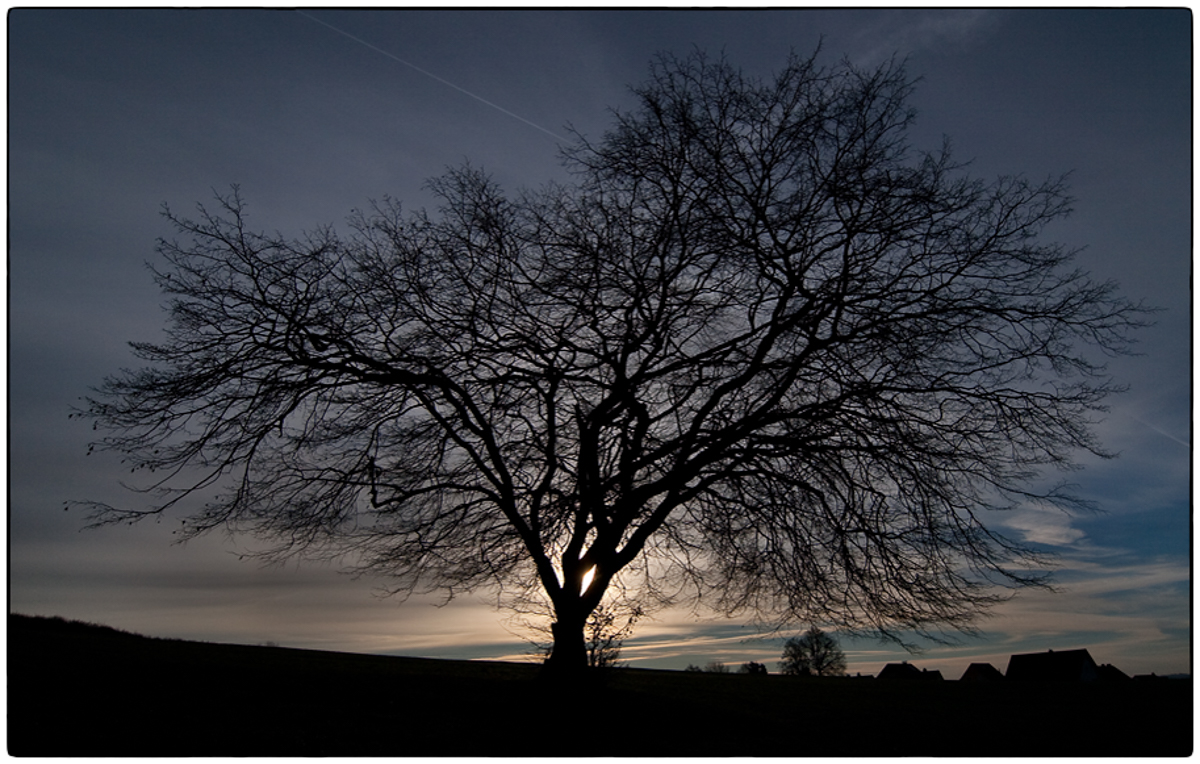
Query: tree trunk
{"points": [[568, 656]]}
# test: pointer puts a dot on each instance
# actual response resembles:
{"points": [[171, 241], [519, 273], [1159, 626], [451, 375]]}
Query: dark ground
{"points": [[77, 690]]}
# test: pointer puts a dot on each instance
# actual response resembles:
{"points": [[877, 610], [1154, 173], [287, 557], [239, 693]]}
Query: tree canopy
{"points": [[759, 351], [813, 653]]}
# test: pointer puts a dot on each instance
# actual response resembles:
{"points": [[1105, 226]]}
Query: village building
{"points": [[1052, 666], [906, 672], [981, 672]]}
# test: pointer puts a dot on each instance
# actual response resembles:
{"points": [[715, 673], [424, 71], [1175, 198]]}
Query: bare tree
{"points": [[760, 352], [814, 653], [605, 634]]}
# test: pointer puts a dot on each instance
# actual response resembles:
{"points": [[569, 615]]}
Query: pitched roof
{"points": [[908, 672], [981, 672], [900, 671], [1061, 666], [1110, 673]]}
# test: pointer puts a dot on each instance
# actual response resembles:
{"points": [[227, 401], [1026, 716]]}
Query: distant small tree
{"points": [[815, 653], [716, 667], [751, 667]]}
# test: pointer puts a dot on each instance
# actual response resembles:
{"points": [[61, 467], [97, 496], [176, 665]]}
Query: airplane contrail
{"points": [[1160, 431], [360, 41]]}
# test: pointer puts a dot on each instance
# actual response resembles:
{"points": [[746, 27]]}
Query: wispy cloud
{"points": [[1134, 615], [1043, 525], [905, 32]]}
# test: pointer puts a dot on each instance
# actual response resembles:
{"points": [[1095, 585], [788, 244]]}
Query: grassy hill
{"points": [[82, 690]]}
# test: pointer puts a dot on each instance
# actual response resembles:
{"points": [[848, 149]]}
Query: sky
{"points": [[314, 113]]}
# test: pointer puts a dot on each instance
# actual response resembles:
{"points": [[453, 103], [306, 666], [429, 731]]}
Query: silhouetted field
{"points": [[77, 690]]}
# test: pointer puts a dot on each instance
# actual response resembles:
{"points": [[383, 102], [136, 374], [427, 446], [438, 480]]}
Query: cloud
{"points": [[906, 32], [1131, 614], [1048, 526], [134, 579]]}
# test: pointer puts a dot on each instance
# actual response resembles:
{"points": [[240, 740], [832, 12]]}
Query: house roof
{"points": [[1060, 666], [1108, 673], [908, 672], [981, 672], [900, 671]]}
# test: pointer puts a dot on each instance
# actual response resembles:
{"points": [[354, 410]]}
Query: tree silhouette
{"points": [[760, 352], [814, 653], [605, 635]]}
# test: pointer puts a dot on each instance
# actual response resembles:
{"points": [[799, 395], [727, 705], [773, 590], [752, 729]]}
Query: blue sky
{"points": [[111, 113]]}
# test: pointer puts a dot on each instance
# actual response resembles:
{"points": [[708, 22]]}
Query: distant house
{"points": [[981, 672], [1051, 666], [906, 672]]}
